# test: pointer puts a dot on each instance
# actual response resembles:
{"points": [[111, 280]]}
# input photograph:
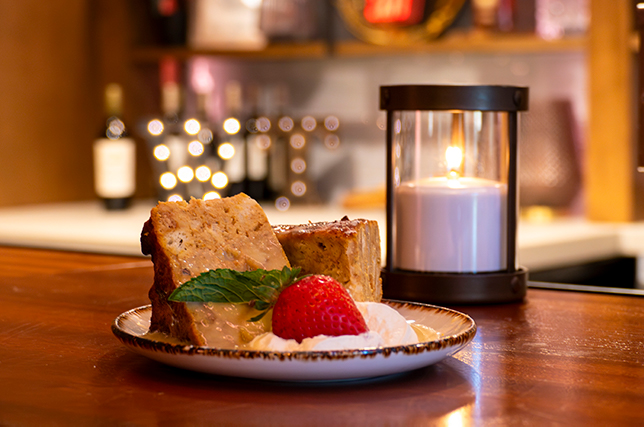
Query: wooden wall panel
{"points": [[613, 187], [47, 109]]}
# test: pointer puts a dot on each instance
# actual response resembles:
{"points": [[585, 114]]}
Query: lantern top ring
{"points": [[453, 97]]}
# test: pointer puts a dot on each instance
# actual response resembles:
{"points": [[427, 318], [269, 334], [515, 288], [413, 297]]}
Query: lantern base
{"points": [[455, 288]]}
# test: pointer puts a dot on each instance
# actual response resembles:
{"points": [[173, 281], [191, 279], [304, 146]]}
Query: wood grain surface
{"points": [[559, 358]]}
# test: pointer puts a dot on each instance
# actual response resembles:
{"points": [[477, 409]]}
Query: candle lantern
{"points": [[452, 194]]}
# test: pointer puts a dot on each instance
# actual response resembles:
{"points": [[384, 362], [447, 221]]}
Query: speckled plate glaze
{"points": [[456, 329]]}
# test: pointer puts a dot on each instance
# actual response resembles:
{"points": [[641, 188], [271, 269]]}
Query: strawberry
{"points": [[316, 305], [302, 307]]}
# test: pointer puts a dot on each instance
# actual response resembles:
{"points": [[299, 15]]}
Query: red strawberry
{"points": [[316, 305], [304, 308]]}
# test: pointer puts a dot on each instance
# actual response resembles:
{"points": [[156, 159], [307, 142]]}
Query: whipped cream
{"points": [[386, 326]]}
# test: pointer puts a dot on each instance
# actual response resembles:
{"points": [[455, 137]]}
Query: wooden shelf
{"points": [[285, 51], [456, 42]]}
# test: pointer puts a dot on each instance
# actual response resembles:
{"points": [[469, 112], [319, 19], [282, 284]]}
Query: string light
{"points": [[155, 127], [203, 173], [192, 126], [161, 152], [168, 180], [195, 148], [219, 180], [231, 126], [226, 151], [185, 174], [211, 195]]}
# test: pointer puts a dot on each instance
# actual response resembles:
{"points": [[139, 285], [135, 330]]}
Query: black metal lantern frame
{"points": [[423, 281]]}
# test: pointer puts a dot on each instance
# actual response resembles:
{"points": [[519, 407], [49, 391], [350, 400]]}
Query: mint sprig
{"points": [[259, 288]]}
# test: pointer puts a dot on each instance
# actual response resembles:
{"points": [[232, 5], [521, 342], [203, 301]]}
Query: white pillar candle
{"points": [[450, 225]]}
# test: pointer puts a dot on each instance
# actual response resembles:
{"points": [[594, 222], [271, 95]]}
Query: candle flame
{"points": [[454, 158]]}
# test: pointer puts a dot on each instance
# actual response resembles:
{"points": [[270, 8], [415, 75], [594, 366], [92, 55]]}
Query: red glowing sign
{"points": [[399, 12]]}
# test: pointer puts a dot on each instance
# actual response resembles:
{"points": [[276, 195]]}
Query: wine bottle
{"points": [[174, 136], [114, 155], [256, 183], [282, 126], [231, 147]]}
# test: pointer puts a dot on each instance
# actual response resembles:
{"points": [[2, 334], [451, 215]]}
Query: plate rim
{"points": [[456, 341]]}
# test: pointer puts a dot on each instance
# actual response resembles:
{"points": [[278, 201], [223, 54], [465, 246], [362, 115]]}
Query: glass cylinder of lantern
{"points": [[452, 194]]}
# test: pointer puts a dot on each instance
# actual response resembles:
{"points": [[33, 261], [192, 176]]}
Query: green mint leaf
{"points": [[259, 287]]}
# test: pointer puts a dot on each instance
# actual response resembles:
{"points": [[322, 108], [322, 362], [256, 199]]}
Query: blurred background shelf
{"points": [[454, 42]]}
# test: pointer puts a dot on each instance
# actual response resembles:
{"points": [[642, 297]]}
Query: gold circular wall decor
{"points": [[442, 13]]}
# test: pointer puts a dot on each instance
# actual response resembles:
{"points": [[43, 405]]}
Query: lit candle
{"points": [[450, 224]]}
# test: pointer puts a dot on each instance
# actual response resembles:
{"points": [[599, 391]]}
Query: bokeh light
{"points": [[226, 151], [161, 152], [203, 173], [332, 141], [185, 174], [286, 124], [155, 127], [298, 188], [309, 123], [263, 142], [297, 141], [231, 126], [211, 195], [331, 123], [192, 126], [263, 124], [168, 180], [282, 203], [219, 180], [195, 148], [298, 165]]}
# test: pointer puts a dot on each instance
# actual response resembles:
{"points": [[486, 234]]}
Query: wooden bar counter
{"points": [[559, 358]]}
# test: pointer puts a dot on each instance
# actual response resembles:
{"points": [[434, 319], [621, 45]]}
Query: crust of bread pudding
{"points": [[347, 250], [186, 239]]}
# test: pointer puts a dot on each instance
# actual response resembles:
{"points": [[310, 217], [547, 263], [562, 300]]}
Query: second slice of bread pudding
{"points": [[347, 250], [187, 239]]}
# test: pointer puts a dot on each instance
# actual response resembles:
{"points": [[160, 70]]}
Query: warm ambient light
{"points": [[185, 174], [175, 198], [297, 141], [298, 188], [211, 195], [454, 158], [155, 127], [309, 123], [195, 148], [226, 151], [282, 204], [203, 173], [168, 180], [231, 126], [286, 124], [298, 165], [192, 126], [219, 180], [263, 124], [161, 152]]}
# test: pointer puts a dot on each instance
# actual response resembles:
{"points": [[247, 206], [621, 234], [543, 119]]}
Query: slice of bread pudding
{"points": [[347, 250], [186, 239]]}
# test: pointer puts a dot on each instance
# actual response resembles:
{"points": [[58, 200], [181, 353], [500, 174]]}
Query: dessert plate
{"points": [[456, 330]]}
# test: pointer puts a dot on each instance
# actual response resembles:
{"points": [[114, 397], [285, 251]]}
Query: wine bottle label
{"points": [[114, 168], [257, 159], [234, 167], [178, 152]]}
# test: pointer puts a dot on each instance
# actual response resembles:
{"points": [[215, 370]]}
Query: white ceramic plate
{"points": [[456, 330]]}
